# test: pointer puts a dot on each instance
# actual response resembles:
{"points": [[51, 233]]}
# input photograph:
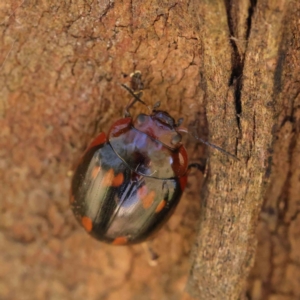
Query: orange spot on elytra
{"points": [[87, 223], [108, 178], [118, 180], [95, 172], [121, 240], [148, 200], [160, 206]]}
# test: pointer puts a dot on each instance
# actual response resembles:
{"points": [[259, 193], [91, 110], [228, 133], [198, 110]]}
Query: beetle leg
{"points": [[128, 106], [136, 98], [156, 105], [152, 255], [179, 122], [136, 91], [132, 101]]}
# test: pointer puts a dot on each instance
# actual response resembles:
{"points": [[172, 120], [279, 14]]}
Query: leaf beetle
{"points": [[128, 182]]}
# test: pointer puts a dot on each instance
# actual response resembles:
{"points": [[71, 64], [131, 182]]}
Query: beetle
{"points": [[128, 182]]}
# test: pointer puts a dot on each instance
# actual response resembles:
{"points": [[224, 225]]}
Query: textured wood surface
{"points": [[230, 68], [265, 80]]}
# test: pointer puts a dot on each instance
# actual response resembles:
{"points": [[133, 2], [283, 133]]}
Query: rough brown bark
{"points": [[276, 273], [233, 196], [232, 66]]}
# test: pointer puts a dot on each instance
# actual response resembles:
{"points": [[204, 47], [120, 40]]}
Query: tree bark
{"points": [[261, 77], [230, 68]]}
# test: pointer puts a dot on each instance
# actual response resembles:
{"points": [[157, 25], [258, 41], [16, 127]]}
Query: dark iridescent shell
{"points": [[125, 188]]}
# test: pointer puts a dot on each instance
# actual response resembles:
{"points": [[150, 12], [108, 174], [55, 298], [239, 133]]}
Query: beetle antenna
{"points": [[208, 144], [136, 98], [216, 147]]}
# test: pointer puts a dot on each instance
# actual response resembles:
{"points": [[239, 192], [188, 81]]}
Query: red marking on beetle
{"points": [[87, 223], [148, 200], [160, 206], [121, 240], [95, 172], [118, 180], [180, 162], [150, 131], [108, 178], [99, 140], [142, 192], [183, 182], [120, 127]]}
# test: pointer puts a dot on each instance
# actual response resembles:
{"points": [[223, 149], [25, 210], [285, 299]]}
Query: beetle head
{"points": [[159, 126]]}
